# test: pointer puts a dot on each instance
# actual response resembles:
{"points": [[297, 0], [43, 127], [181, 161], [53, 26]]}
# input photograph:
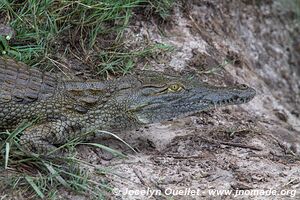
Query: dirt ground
{"points": [[244, 148]]}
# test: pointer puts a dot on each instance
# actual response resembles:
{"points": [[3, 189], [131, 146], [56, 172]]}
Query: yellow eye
{"points": [[174, 88]]}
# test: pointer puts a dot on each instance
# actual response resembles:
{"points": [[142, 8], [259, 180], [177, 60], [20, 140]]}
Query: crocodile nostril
{"points": [[243, 86]]}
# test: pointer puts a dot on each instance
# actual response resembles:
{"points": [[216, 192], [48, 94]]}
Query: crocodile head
{"points": [[155, 97]]}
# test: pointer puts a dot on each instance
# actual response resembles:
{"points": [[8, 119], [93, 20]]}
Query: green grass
{"points": [[42, 177], [161, 8], [48, 30], [120, 60]]}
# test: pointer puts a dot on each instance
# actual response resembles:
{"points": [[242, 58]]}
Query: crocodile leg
{"points": [[44, 139]]}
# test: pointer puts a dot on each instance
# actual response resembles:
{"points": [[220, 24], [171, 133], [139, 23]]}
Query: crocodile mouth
{"points": [[218, 98], [228, 97], [231, 101]]}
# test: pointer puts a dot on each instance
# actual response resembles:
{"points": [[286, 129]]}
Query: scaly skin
{"points": [[64, 110]]}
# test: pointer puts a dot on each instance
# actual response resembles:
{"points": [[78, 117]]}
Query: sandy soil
{"points": [[239, 148]]}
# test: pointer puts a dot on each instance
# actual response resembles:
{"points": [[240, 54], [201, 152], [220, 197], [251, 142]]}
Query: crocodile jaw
{"points": [[193, 101]]}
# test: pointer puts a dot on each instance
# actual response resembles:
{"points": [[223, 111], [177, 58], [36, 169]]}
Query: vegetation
{"points": [[48, 32], [34, 175], [90, 31]]}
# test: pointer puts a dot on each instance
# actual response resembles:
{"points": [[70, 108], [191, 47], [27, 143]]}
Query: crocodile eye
{"points": [[174, 88]]}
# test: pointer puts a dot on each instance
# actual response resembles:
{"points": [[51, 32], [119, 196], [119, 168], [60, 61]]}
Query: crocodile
{"points": [[65, 109]]}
